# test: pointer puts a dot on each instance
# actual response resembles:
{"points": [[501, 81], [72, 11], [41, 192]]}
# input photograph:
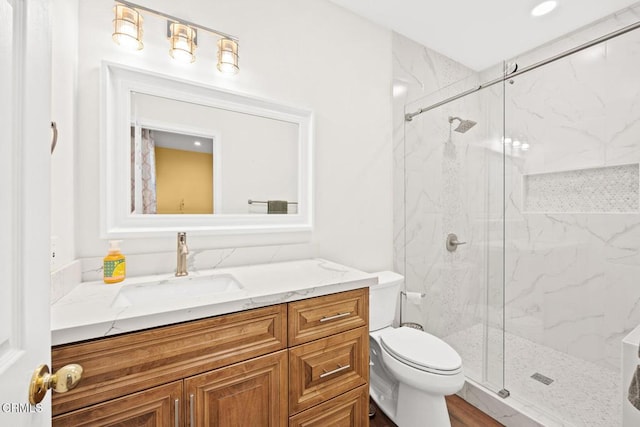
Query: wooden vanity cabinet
{"points": [[329, 366], [231, 370], [119, 366]]}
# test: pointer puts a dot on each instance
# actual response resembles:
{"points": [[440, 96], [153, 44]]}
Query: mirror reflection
{"points": [[175, 172], [188, 158]]}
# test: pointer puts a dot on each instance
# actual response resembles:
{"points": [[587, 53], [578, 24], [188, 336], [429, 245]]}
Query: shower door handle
{"points": [[453, 243], [54, 136]]}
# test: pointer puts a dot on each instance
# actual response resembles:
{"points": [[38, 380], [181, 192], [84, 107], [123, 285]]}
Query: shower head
{"points": [[464, 125]]}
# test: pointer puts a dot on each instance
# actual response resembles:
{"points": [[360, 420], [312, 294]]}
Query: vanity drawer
{"points": [[124, 364], [327, 368], [350, 409], [321, 317]]}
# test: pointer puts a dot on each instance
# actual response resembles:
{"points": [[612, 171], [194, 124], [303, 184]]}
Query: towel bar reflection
{"points": [[261, 201]]}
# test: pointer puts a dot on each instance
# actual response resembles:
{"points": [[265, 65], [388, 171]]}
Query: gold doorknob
{"points": [[64, 380]]}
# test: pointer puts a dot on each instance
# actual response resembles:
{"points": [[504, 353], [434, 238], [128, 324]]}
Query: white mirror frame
{"points": [[117, 84]]}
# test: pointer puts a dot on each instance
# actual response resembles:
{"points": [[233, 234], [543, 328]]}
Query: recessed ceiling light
{"points": [[399, 89], [507, 140], [525, 147], [516, 143], [544, 8], [197, 143]]}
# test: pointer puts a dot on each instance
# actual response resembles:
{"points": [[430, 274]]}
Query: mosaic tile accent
{"points": [[606, 189]]}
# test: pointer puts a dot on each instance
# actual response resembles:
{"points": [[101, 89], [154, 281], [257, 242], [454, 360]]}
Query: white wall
{"points": [[63, 103], [288, 53]]}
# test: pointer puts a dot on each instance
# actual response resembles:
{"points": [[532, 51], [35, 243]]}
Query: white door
{"points": [[25, 137]]}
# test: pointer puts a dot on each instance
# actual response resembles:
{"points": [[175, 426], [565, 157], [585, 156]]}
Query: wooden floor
{"points": [[461, 413]]}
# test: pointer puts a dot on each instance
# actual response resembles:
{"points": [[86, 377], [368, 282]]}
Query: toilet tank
{"points": [[383, 299]]}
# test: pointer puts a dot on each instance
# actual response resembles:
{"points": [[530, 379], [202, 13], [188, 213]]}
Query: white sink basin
{"points": [[177, 289]]}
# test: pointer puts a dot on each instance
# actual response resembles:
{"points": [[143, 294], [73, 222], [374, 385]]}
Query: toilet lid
{"points": [[421, 350]]}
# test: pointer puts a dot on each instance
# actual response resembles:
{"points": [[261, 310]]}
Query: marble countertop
{"points": [[94, 310]]}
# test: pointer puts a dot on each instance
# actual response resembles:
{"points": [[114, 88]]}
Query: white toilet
{"points": [[411, 370]]}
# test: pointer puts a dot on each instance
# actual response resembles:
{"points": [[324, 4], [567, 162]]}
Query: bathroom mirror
{"points": [[181, 156]]}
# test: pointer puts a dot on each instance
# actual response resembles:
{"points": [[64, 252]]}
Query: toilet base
{"points": [[417, 408]]}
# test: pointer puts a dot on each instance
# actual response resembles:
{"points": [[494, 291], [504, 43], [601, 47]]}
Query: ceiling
{"points": [[481, 33], [183, 142]]}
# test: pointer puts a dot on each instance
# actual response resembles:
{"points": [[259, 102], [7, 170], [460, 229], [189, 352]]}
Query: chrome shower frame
{"points": [[409, 116]]}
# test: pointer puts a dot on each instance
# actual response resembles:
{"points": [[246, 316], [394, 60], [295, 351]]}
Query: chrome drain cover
{"points": [[543, 379]]}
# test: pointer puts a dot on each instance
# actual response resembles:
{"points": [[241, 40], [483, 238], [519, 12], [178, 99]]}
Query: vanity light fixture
{"points": [[182, 42], [228, 56], [127, 31], [127, 27]]}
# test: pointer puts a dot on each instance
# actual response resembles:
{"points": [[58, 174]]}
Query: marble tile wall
{"points": [[571, 265], [443, 181], [570, 277], [419, 232]]}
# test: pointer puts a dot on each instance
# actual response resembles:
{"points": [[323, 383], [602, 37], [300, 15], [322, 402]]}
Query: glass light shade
{"points": [[127, 27], [228, 56], [182, 42]]}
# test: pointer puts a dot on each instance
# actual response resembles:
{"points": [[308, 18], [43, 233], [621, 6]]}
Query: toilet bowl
{"points": [[411, 370]]}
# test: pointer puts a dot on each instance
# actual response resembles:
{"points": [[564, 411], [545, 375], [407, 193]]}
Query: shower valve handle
{"points": [[453, 243]]}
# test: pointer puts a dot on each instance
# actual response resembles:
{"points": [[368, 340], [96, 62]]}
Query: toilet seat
{"points": [[421, 350]]}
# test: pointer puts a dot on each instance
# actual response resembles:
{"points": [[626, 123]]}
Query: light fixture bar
{"points": [[179, 20]]}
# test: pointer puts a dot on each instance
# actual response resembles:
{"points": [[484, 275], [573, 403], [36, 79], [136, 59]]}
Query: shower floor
{"points": [[581, 394]]}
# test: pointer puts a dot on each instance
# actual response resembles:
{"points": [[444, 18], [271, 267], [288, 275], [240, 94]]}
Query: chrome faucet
{"points": [[183, 250]]}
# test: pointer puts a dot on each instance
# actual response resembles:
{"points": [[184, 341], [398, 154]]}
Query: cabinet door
{"points": [[347, 410], [157, 407], [247, 394]]}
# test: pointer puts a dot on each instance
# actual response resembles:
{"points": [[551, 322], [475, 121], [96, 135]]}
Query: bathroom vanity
{"points": [[290, 347]]}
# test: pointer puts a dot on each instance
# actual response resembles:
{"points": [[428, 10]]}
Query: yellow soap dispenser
{"points": [[114, 268]]}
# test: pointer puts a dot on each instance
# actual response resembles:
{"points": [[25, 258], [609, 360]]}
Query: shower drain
{"points": [[539, 377]]}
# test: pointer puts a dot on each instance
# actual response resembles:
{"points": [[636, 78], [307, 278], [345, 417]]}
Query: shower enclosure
{"points": [[544, 189]]}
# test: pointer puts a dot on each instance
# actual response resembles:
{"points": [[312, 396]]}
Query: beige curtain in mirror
{"points": [[148, 173], [143, 156]]}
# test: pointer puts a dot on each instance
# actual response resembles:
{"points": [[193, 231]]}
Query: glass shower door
{"points": [[453, 163], [573, 246]]}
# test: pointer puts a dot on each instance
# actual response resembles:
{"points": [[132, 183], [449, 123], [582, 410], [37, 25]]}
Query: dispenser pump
{"points": [[114, 246]]}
